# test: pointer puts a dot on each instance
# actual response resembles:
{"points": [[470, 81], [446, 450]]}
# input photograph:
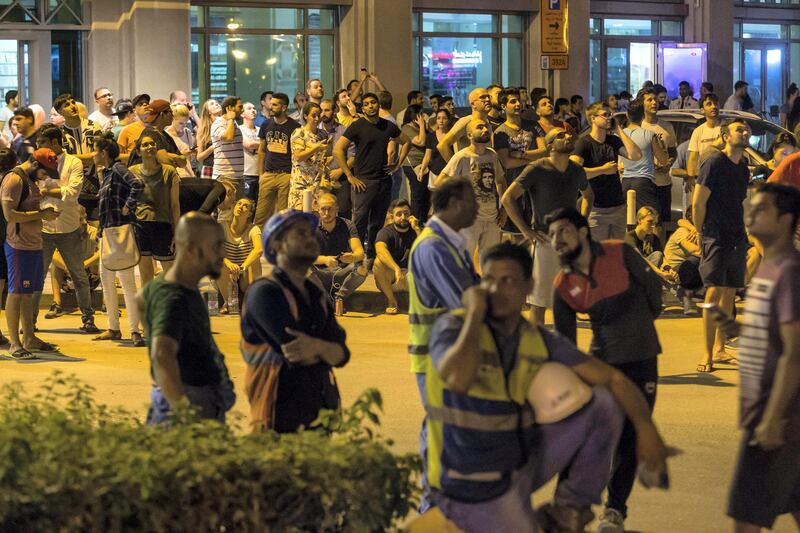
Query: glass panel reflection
{"points": [[456, 65]]}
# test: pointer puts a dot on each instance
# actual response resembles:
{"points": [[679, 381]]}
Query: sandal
{"points": [[705, 368], [21, 354], [391, 310], [109, 335], [45, 347]]}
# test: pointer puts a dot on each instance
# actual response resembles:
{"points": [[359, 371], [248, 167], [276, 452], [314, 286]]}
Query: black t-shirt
{"points": [[337, 241], [607, 188], [371, 142], [163, 142], [550, 189], [496, 122], [724, 212], [398, 243], [650, 244], [437, 162], [278, 153]]}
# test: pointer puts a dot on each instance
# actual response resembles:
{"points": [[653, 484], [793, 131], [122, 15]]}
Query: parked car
{"points": [[685, 121]]}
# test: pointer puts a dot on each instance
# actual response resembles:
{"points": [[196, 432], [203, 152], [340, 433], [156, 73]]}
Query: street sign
{"points": [[553, 17], [560, 62]]}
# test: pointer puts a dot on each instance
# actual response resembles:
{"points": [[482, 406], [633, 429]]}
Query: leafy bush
{"points": [[70, 464]]}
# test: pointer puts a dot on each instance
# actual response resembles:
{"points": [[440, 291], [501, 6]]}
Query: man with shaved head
{"points": [[482, 167], [184, 359], [481, 103]]}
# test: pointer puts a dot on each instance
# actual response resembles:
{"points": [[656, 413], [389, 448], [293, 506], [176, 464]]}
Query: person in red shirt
{"points": [[788, 171]]}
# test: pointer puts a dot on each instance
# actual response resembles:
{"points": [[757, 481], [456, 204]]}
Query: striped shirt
{"points": [[228, 155], [773, 299], [238, 248]]}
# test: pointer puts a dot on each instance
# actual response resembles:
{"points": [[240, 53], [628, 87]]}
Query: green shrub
{"points": [[70, 464]]}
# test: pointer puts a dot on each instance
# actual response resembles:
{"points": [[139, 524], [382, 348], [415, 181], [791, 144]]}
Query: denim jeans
{"points": [[69, 245], [208, 401], [339, 282]]}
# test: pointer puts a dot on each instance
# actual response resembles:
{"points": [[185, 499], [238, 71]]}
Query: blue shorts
{"points": [[25, 270]]}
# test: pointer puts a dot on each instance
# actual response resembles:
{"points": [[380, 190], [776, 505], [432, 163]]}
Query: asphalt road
{"points": [[696, 413]]}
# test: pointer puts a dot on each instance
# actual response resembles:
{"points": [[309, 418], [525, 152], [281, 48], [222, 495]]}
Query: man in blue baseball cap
{"points": [[290, 338]]}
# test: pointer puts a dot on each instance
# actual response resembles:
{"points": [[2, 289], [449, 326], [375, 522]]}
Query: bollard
{"points": [[631, 216], [308, 201]]}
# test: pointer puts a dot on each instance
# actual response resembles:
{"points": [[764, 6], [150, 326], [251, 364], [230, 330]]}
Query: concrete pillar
{"points": [[575, 80], [376, 35], [137, 47], [711, 22]]}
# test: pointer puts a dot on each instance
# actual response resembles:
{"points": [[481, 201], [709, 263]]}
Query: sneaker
{"points": [[611, 521], [732, 343], [89, 326], [109, 335], [55, 311], [137, 339], [561, 518]]}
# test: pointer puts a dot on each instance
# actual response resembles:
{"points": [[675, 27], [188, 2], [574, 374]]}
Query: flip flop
{"points": [[705, 368], [21, 354], [45, 347], [391, 310]]}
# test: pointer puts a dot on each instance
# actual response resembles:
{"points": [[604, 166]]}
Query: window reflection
{"points": [[456, 65]]}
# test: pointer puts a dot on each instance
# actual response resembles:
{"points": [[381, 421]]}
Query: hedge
{"points": [[68, 463]]}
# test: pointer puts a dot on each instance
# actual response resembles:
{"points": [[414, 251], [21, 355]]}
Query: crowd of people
{"points": [[520, 204]]}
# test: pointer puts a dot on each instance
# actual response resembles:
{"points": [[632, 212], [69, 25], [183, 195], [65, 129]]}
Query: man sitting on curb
{"points": [[393, 247], [339, 266], [488, 449]]}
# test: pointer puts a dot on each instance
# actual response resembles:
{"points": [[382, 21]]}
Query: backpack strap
{"points": [[26, 189]]}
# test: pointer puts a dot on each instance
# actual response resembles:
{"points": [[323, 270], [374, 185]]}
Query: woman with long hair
{"points": [[309, 145], [205, 148], [415, 128], [432, 162], [119, 195], [242, 265], [793, 118], [159, 207]]}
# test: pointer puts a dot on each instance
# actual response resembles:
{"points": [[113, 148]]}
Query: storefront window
{"points": [[279, 50], [491, 51], [66, 59]]}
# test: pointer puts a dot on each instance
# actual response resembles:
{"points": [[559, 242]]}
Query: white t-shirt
{"points": [[228, 156], [483, 171], [250, 156], [5, 116], [703, 137], [106, 123], [733, 103]]}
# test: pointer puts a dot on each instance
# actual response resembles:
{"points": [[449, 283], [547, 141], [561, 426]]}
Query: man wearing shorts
{"points": [[552, 182], [767, 479], [20, 198], [719, 218]]}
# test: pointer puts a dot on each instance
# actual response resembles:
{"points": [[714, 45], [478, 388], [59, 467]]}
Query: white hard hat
{"points": [[556, 392]]}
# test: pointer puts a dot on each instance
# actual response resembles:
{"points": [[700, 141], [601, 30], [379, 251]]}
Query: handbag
{"points": [[118, 249]]}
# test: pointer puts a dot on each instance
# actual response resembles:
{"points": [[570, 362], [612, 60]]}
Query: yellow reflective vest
{"points": [[476, 440]]}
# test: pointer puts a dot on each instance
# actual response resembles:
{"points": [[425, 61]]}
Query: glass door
{"points": [[763, 69], [14, 68], [628, 65]]}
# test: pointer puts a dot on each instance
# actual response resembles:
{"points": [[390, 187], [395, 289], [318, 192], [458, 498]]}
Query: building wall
{"points": [[136, 46], [139, 46]]}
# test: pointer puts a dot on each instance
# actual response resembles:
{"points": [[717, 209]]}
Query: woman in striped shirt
{"points": [[242, 251]]}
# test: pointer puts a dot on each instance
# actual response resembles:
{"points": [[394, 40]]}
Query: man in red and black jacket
{"points": [[619, 291]]}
